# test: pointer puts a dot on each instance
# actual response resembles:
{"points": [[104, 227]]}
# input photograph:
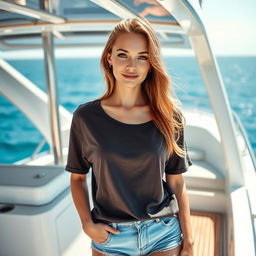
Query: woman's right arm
{"points": [[79, 190], [80, 195]]}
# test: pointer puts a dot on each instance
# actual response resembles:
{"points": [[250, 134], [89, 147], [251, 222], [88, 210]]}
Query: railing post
{"points": [[51, 82]]}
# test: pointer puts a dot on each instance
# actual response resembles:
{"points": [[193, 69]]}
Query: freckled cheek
{"points": [[144, 67], [119, 64]]}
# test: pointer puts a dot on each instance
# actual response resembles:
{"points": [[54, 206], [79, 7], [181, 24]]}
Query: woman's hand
{"points": [[99, 232], [187, 250]]}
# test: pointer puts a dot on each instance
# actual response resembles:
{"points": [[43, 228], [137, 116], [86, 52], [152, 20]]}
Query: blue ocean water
{"points": [[80, 80]]}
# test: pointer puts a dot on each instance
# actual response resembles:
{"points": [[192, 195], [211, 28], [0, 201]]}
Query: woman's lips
{"points": [[130, 76]]}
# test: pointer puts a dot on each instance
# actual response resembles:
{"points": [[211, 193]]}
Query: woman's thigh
{"points": [[173, 252], [96, 253]]}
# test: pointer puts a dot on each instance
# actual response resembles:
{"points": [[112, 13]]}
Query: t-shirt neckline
{"points": [[119, 122]]}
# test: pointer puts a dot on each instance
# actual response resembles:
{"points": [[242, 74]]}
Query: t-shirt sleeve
{"points": [[76, 160], [176, 164]]}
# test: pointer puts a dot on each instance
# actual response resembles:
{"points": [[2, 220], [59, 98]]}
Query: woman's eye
{"points": [[143, 57], [122, 55]]}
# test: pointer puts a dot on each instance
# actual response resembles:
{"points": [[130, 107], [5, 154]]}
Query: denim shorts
{"points": [[139, 238]]}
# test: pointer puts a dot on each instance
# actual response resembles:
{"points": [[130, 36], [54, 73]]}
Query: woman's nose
{"points": [[131, 63]]}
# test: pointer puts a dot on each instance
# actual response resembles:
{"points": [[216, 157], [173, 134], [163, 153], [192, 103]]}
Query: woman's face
{"points": [[129, 59]]}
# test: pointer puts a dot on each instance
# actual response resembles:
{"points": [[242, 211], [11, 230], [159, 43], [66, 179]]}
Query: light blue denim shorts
{"points": [[139, 238]]}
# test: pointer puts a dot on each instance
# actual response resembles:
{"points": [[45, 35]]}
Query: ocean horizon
{"points": [[80, 80]]}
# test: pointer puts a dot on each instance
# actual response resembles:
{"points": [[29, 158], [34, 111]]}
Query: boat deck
{"points": [[206, 232], [206, 229]]}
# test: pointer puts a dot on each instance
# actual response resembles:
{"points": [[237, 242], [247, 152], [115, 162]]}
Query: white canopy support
{"points": [[32, 101], [31, 12]]}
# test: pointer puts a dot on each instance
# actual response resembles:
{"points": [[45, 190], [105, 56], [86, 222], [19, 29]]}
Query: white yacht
{"points": [[37, 214]]}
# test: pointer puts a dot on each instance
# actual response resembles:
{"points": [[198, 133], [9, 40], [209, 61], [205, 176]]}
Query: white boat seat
{"points": [[31, 185]]}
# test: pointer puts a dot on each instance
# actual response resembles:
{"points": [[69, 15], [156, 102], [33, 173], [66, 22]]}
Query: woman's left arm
{"points": [[178, 187]]}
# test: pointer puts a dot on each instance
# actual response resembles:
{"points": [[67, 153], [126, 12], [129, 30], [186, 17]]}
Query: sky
{"points": [[230, 25]]}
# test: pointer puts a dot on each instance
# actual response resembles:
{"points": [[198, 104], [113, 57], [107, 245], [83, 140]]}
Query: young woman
{"points": [[131, 137]]}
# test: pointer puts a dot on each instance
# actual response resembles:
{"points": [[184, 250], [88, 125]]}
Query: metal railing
{"points": [[245, 137], [38, 148]]}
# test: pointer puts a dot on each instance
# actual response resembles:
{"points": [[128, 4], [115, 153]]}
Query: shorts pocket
{"points": [[167, 221], [108, 238]]}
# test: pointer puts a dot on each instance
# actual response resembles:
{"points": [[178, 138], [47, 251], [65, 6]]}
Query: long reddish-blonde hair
{"points": [[155, 88]]}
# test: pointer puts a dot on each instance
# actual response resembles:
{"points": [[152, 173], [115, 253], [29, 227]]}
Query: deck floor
{"points": [[206, 229]]}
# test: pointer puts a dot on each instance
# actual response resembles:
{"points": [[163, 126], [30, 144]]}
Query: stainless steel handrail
{"points": [[238, 124], [245, 137], [38, 148]]}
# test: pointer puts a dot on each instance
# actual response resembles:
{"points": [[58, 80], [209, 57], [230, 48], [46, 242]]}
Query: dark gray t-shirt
{"points": [[128, 162]]}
